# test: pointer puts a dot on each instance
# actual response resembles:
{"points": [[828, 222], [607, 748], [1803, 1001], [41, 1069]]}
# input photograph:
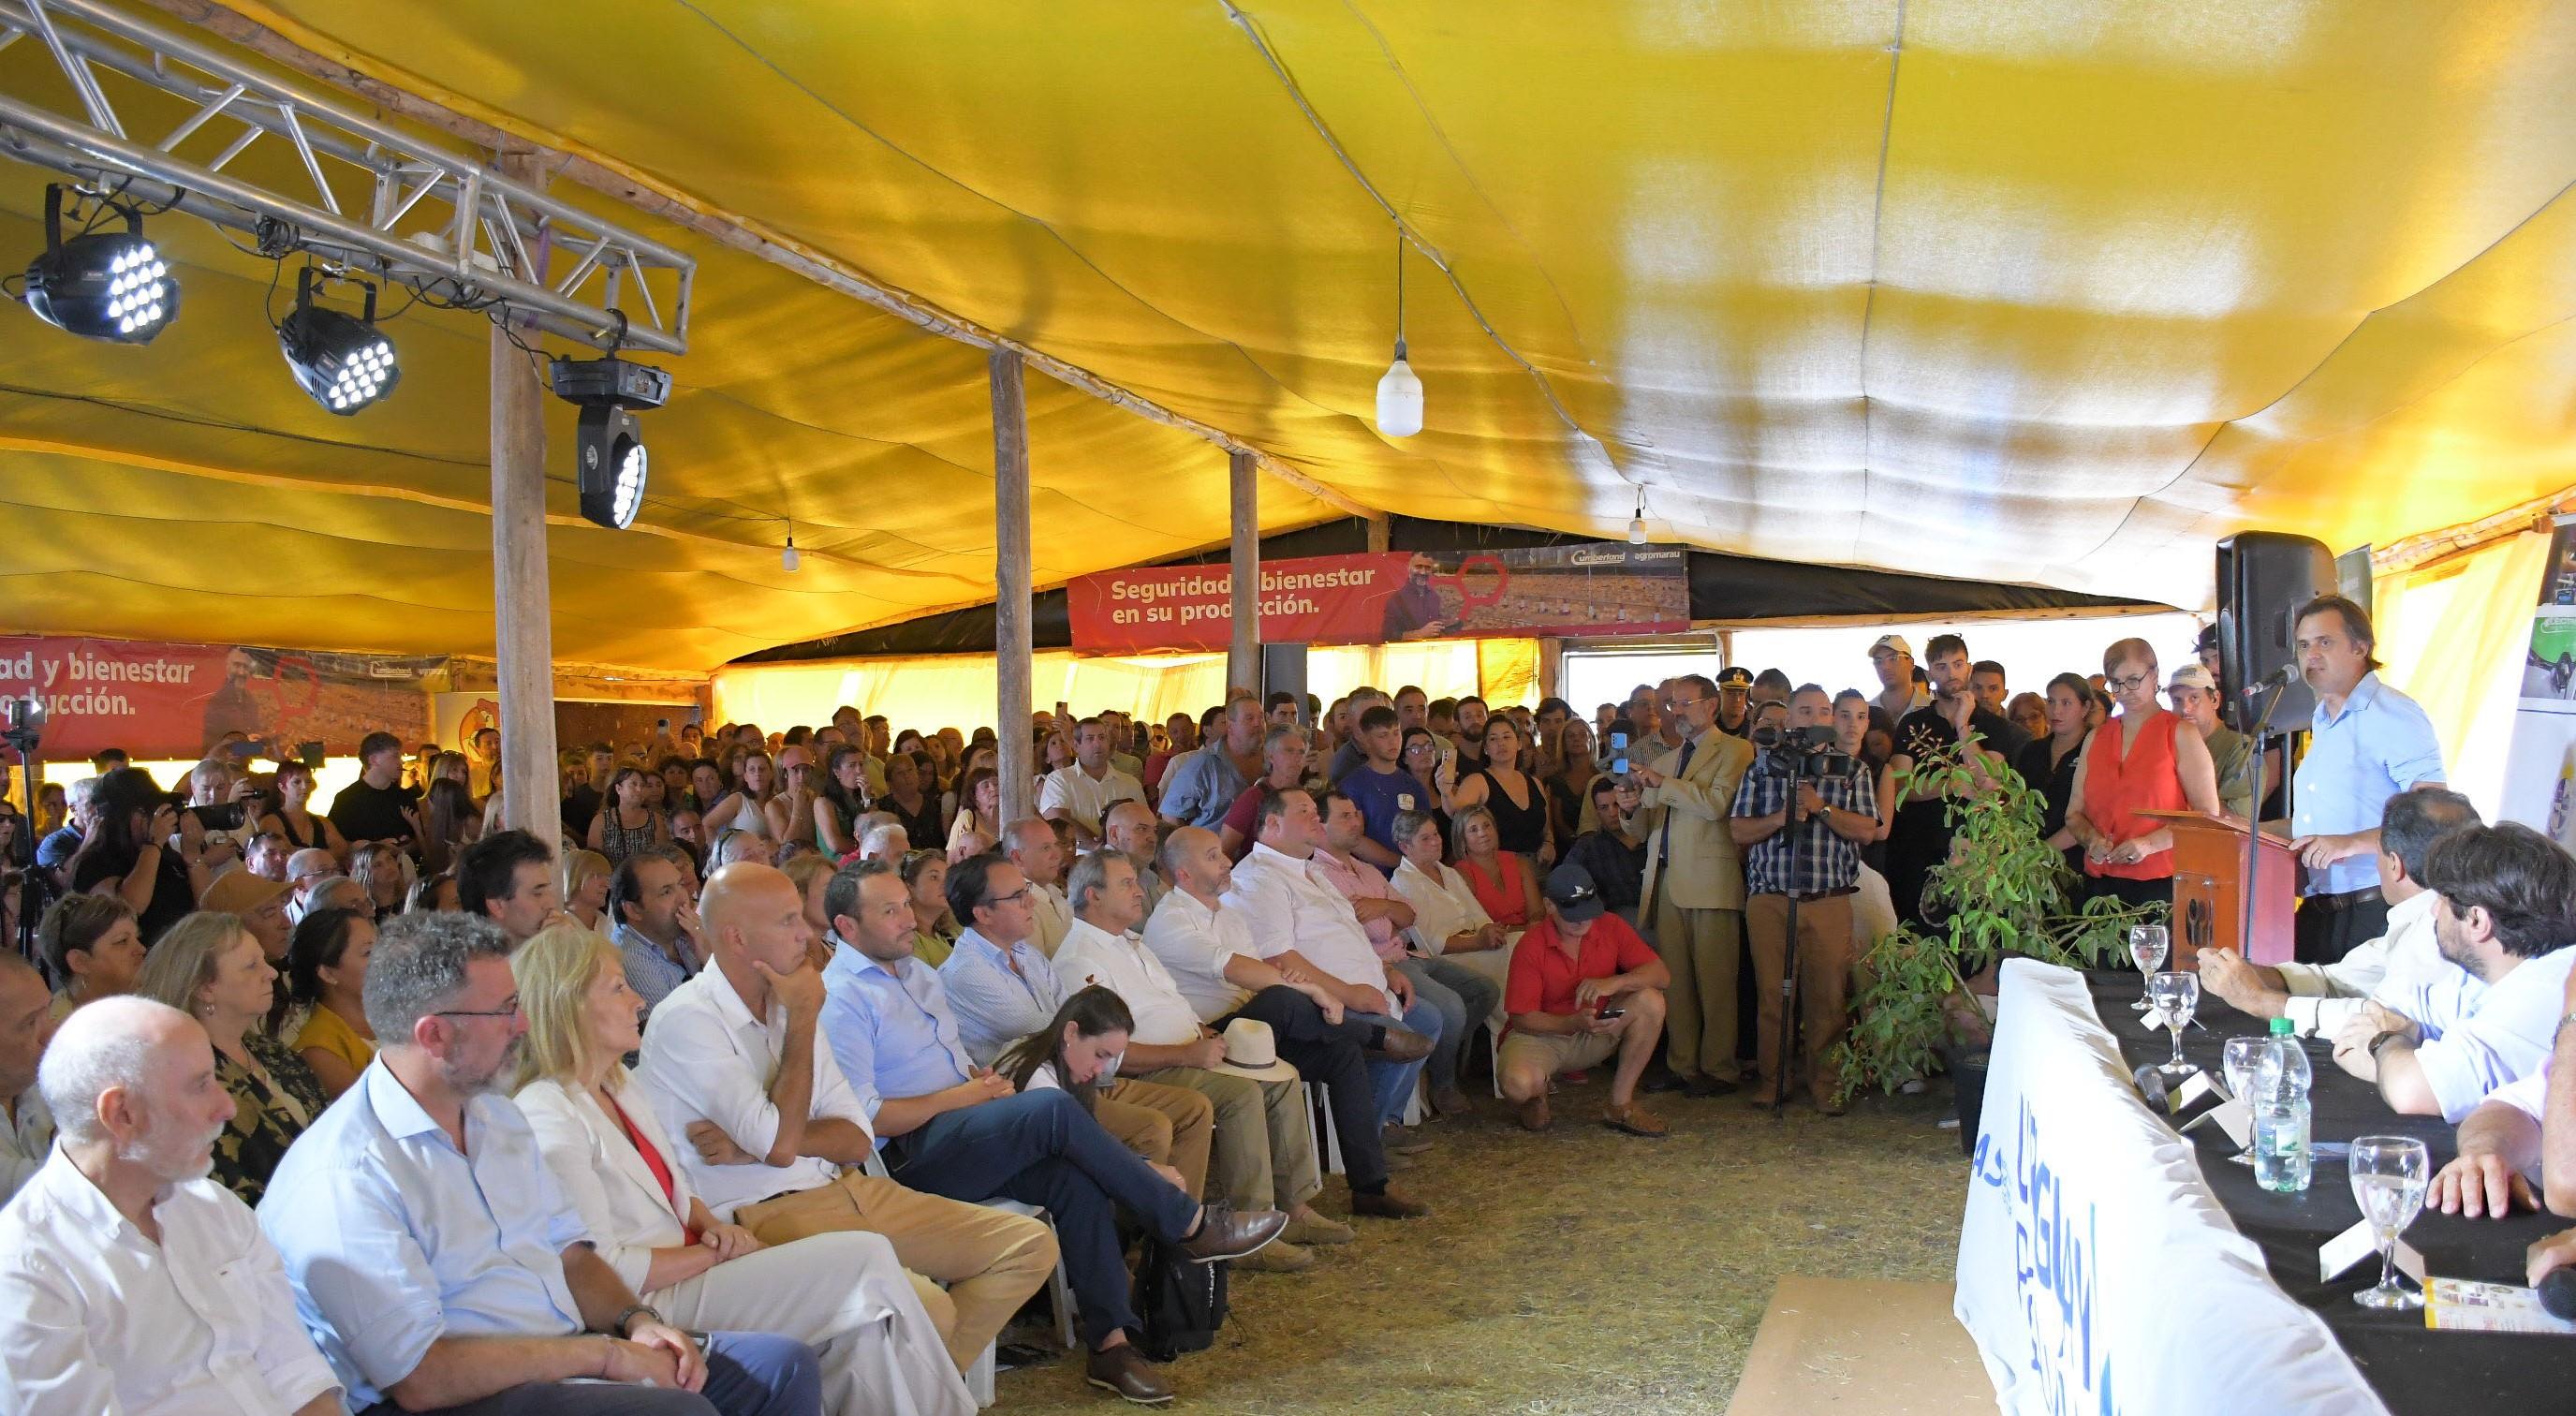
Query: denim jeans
{"points": [[1394, 1081], [1465, 999]]}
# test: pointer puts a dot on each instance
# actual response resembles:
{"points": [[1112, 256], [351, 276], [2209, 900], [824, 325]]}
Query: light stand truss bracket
{"points": [[432, 219]]}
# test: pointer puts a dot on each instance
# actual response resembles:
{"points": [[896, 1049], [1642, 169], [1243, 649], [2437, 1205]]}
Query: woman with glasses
{"points": [[843, 1293], [1420, 759], [2145, 759]]}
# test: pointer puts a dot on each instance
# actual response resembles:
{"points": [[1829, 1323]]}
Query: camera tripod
{"points": [[1787, 1048]]}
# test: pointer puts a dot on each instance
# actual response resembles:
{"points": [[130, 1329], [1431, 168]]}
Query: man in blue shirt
{"points": [[1380, 788], [950, 1128], [434, 1260], [1201, 787], [2368, 743]]}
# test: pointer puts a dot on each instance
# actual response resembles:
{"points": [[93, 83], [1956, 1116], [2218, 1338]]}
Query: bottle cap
{"points": [[2281, 1027]]}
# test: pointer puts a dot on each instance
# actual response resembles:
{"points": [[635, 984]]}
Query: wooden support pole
{"points": [[1014, 644], [1376, 527], [522, 602], [1243, 498]]}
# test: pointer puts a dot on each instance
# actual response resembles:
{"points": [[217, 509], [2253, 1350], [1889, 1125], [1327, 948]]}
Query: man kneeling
{"points": [[1584, 988]]}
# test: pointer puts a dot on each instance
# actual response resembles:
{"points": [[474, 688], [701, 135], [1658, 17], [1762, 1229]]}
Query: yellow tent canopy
{"points": [[2043, 291]]}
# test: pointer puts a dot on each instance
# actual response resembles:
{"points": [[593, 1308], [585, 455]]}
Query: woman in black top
{"points": [[911, 803], [129, 850], [2048, 763], [1516, 799]]}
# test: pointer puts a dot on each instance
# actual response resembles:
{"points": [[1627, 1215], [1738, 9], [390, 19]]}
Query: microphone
{"points": [[2281, 677], [2558, 1293]]}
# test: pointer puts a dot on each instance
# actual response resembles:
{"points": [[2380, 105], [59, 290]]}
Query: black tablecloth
{"points": [[2413, 1368]]}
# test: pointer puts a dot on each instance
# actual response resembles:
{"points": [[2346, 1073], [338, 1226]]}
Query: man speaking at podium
{"points": [[2367, 743]]}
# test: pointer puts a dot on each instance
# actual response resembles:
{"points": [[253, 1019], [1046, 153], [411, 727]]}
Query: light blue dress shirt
{"points": [[362, 1195], [649, 971], [1201, 787], [2379, 745], [996, 1007], [2503, 1033], [891, 1030]]}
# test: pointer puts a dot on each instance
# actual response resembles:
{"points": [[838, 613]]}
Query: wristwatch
{"points": [[626, 1317]]}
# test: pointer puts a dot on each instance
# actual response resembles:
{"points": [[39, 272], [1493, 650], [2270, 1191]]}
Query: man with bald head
{"points": [[1032, 845], [26, 1128], [734, 1062], [129, 1281], [1136, 833]]}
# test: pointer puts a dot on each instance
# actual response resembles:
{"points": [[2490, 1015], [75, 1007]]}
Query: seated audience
{"points": [[2439, 1044], [1504, 882], [26, 1128], [1135, 831], [1081, 791], [129, 1282], [914, 802], [733, 1065], [1584, 989], [264, 855], [1264, 1151], [303, 869], [934, 929], [326, 973], [1464, 998], [2319, 999], [1450, 925], [508, 877], [627, 821], [92, 946], [1284, 758], [887, 842], [209, 967], [259, 904], [657, 932], [433, 1256], [843, 1293], [585, 891], [383, 870]]}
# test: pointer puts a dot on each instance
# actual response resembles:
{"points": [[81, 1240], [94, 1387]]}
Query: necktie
{"points": [[1678, 769]]}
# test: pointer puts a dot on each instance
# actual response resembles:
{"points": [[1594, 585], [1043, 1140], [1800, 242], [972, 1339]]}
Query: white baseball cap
{"points": [[1891, 644]]}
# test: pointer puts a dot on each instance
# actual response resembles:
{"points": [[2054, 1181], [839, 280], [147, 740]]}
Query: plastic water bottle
{"points": [[2281, 1154]]}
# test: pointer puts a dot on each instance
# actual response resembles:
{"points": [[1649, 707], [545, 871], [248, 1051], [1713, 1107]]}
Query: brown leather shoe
{"points": [[1124, 1370], [1387, 1205], [1534, 1114], [1401, 1045], [1224, 1234], [1635, 1120], [1313, 1228], [1281, 1257], [1402, 1140], [1449, 1101]]}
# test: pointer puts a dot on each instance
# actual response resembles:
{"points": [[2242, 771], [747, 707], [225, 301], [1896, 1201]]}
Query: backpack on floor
{"points": [[1179, 1304]]}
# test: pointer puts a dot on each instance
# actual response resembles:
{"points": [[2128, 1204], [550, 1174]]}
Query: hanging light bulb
{"points": [[788, 559], [1637, 523], [1399, 391]]}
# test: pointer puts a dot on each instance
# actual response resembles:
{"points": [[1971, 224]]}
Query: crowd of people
{"points": [[790, 1067]]}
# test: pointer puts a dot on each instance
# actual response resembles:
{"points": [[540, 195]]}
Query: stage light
{"points": [[612, 464], [1399, 390], [340, 360], [110, 285]]}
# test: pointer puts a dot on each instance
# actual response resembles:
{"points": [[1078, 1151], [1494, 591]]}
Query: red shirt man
{"points": [[1583, 989]]}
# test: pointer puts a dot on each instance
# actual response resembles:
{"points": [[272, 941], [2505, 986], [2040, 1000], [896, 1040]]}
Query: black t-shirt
{"points": [[1922, 827], [365, 813], [173, 898], [579, 805]]}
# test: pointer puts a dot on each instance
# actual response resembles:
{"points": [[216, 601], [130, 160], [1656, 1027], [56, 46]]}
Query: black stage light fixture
{"points": [[609, 441], [339, 359], [110, 285]]}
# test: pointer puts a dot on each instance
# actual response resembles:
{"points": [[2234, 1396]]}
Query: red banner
{"points": [[1375, 599], [175, 701]]}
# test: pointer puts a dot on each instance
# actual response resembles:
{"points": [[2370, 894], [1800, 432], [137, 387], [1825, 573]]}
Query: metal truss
{"points": [[382, 201]]}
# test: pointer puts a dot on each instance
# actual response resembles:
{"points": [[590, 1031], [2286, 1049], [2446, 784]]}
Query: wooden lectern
{"points": [[2209, 867]]}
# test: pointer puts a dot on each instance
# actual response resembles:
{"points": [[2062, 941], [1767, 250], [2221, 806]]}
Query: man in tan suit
{"points": [[1694, 887]]}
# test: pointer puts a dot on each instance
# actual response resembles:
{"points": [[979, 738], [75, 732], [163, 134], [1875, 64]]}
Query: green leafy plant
{"points": [[2002, 892]]}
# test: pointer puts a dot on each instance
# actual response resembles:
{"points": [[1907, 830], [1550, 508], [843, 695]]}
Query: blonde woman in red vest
{"points": [[2144, 759]]}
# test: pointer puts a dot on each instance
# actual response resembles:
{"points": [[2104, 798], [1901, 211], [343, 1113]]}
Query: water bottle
{"points": [[2281, 1154]]}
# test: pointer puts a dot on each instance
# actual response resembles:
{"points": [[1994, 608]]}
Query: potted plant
{"points": [[2002, 892]]}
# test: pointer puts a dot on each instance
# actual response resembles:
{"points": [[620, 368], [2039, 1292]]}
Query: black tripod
{"points": [[1788, 1047], [23, 729]]}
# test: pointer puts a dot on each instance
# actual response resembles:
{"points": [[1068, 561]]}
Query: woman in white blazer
{"points": [[844, 1294]]}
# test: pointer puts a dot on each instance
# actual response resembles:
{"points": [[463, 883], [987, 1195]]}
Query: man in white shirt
{"points": [[1304, 927], [27, 1130], [128, 1280], [1207, 952], [732, 1061], [1031, 845], [1264, 1156], [2319, 999], [1083, 791], [2507, 916]]}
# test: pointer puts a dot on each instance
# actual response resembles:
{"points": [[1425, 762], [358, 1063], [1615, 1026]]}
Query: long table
{"points": [[2411, 1367]]}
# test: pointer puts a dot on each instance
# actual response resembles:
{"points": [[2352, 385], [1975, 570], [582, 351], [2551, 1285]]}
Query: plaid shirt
{"points": [[1825, 861]]}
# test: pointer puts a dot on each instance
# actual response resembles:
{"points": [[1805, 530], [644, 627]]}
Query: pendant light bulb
{"points": [[1399, 391], [1637, 523], [788, 560]]}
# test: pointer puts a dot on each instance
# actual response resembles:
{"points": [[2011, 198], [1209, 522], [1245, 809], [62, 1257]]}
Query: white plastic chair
{"points": [[1059, 1288]]}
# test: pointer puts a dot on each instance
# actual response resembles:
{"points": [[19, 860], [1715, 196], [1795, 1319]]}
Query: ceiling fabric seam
{"points": [[1869, 300]]}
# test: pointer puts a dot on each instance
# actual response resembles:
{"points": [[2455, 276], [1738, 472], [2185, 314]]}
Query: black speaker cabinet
{"points": [[2263, 579]]}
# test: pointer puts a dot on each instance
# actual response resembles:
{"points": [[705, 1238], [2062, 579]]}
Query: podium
{"points": [[2208, 910]]}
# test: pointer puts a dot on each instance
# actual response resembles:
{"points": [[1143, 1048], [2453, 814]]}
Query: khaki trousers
{"points": [[1701, 948], [1166, 1125], [990, 1261], [1265, 1141], [1824, 982]]}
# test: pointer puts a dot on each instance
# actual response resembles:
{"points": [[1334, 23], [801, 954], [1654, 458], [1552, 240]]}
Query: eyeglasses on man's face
{"points": [[509, 1009]]}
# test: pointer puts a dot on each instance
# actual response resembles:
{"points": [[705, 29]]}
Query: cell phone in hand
{"points": [[1619, 754], [1607, 1014]]}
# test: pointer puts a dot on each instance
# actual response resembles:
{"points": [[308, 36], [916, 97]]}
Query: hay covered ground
{"points": [[1577, 1271]]}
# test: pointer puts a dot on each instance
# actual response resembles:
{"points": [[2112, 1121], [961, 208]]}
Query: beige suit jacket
{"points": [[1706, 871]]}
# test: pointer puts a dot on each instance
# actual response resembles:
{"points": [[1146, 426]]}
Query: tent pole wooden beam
{"points": [[724, 228], [1243, 500], [1014, 642], [1376, 529], [522, 602]]}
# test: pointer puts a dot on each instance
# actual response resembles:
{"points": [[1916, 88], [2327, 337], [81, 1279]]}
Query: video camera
{"points": [[1811, 753]]}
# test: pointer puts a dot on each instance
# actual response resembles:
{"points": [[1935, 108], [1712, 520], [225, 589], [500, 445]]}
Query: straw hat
{"points": [[1250, 1051]]}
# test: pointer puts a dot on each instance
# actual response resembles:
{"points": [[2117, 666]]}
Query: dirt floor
{"points": [[1575, 1271]]}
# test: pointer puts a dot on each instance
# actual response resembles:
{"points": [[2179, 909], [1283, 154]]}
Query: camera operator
{"points": [[1801, 815]]}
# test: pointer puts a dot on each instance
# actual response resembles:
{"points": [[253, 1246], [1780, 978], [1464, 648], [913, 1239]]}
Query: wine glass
{"points": [[2147, 951], [2176, 995], [2243, 1060], [2389, 1175]]}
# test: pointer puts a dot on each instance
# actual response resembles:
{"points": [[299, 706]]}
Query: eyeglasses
{"points": [[1021, 893], [506, 1010], [2128, 682]]}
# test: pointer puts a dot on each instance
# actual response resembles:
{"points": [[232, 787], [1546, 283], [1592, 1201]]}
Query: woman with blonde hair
{"points": [[1503, 881], [843, 1293], [2146, 759], [379, 867], [209, 967], [585, 890]]}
